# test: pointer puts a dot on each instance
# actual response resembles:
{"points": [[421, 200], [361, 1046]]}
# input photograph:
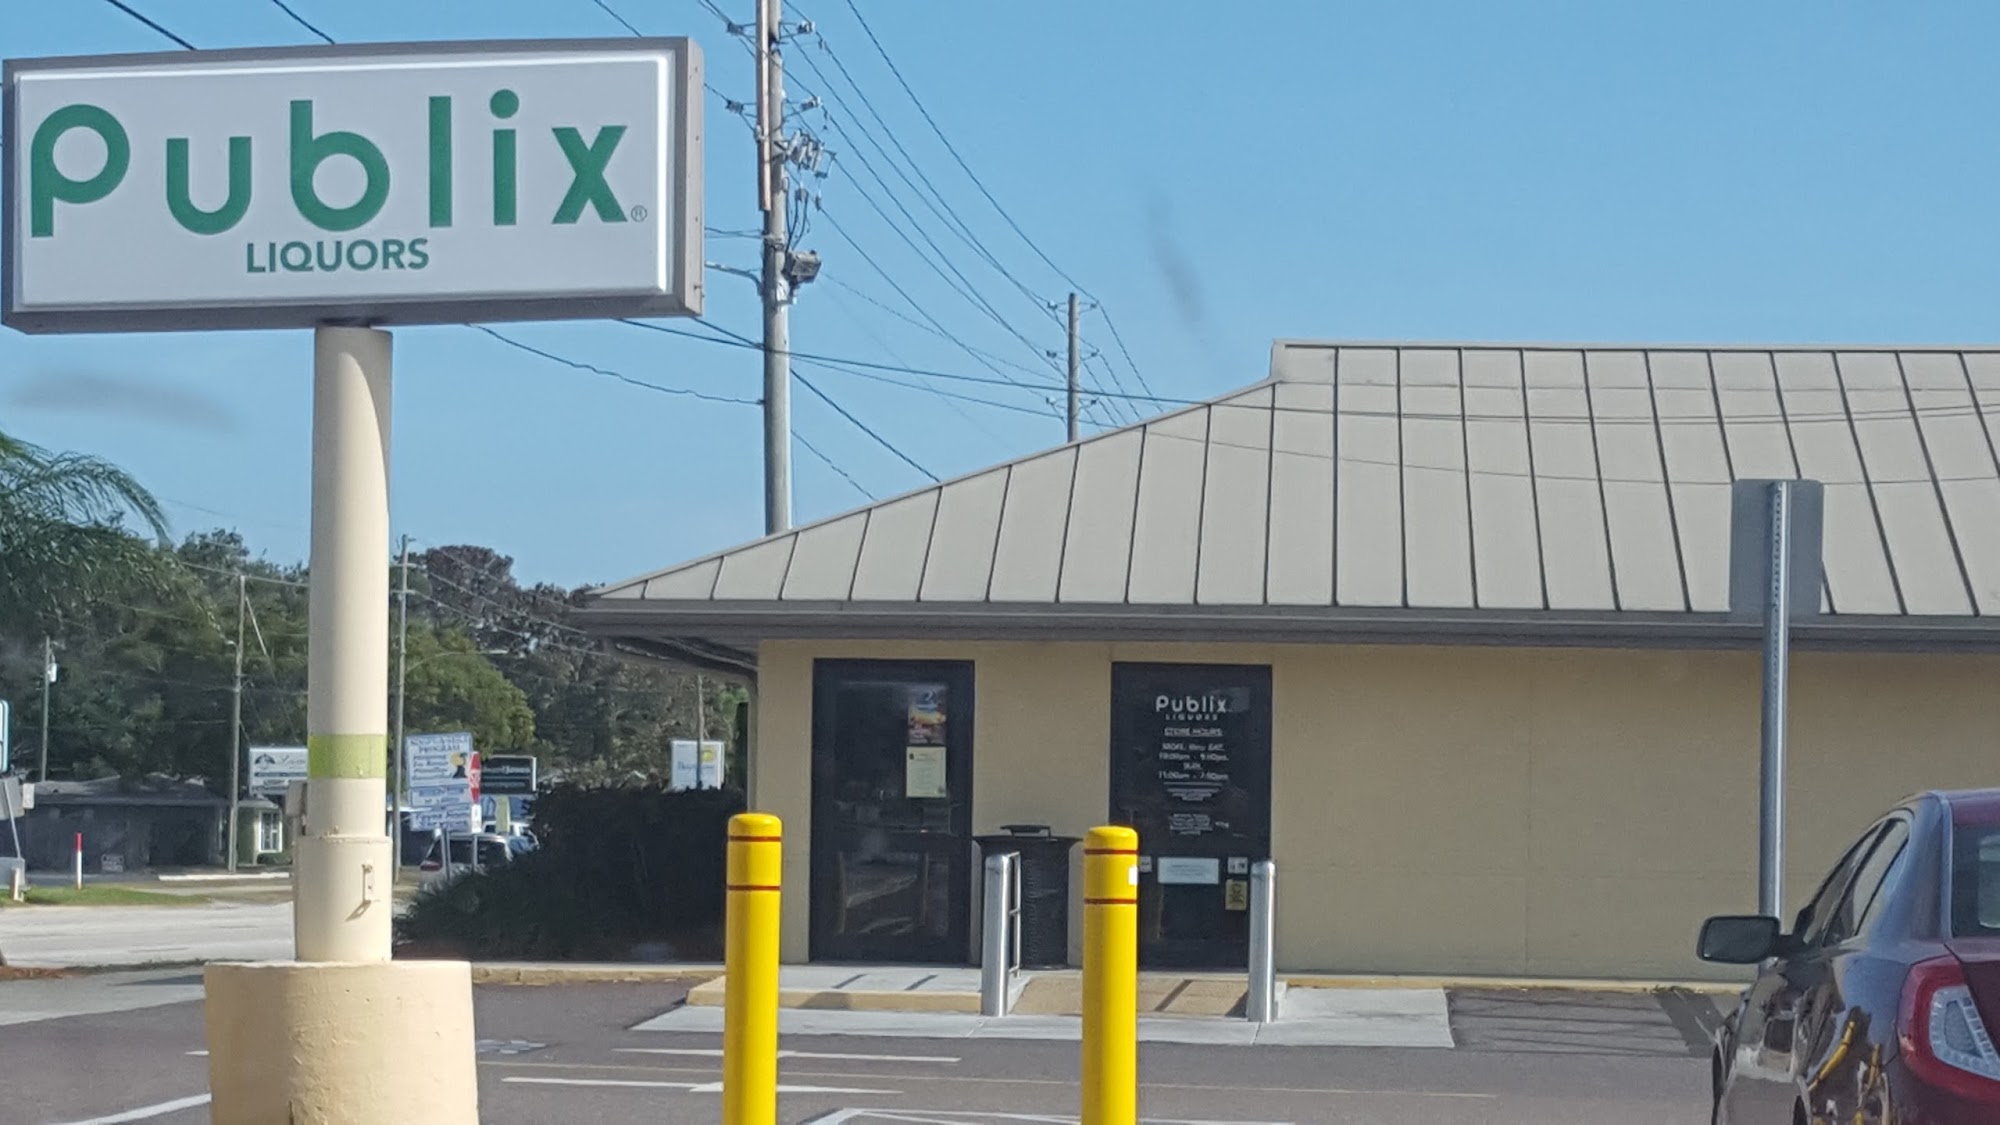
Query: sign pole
{"points": [[594, 157], [341, 903], [396, 770], [1777, 670], [236, 723]]}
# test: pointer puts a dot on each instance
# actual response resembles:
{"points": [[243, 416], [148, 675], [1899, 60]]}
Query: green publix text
{"points": [[588, 161]]}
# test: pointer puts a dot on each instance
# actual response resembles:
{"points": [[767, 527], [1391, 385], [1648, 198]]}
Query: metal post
{"points": [[754, 879], [1260, 1004], [1110, 1088], [77, 863], [236, 723], [48, 677], [13, 816], [396, 784], [998, 942], [772, 190], [1771, 769], [341, 897], [1075, 390]]}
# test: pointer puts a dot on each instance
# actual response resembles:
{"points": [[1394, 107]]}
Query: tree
{"points": [[451, 685], [63, 539], [597, 715]]}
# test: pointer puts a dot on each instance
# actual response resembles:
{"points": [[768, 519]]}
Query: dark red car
{"points": [[1875, 1007]]}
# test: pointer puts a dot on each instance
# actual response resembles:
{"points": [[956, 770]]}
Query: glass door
{"points": [[1191, 770], [892, 812]]}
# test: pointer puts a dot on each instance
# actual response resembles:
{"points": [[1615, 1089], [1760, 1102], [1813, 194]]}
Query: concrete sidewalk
{"points": [[889, 988], [1054, 993], [1349, 1017]]}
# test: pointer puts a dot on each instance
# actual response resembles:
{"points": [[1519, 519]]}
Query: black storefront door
{"points": [[1191, 770], [892, 812]]}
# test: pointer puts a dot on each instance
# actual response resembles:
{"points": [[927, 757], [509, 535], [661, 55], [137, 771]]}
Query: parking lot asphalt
{"points": [[571, 1054]]}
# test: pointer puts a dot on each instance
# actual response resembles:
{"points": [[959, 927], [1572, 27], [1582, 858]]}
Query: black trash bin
{"points": [[1044, 866]]}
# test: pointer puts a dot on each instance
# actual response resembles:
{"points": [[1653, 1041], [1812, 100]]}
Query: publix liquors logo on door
{"points": [[333, 234]]}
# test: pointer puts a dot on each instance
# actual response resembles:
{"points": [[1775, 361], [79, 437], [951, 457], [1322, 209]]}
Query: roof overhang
{"points": [[732, 630]]}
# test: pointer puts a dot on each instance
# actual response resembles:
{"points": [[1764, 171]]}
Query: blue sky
{"points": [[1218, 175]]}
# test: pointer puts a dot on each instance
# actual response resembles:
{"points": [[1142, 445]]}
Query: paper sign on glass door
{"points": [[924, 772]]}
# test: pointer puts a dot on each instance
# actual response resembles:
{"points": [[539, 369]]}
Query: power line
{"points": [[301, 20], [607, 372], [951, 148], [243, 574], [622, 21], [985, 359], [981, 185], [942, 208], [938, 260], [1047, 412], [906, 318], [829, 462], [949, 398], [864, 427], [729, 102], [1970, 410], [935, 200], [137, 15]]}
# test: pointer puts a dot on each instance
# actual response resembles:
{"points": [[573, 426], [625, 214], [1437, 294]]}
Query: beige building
{"points": [[1441, 630]]}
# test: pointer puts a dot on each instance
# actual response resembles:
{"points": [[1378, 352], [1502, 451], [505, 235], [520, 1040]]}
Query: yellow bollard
{"points": [[750, 967], [1111, 977]]}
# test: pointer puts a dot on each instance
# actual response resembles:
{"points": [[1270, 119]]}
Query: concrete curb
{"points": [[709, 994], [535, 975], [1515, 984], [225, 877]]}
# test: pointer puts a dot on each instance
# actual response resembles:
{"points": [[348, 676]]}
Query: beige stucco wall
{"points": [[1466, 810]]}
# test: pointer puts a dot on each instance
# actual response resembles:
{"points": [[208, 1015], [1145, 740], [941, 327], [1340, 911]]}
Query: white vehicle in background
{"points": [[477, 850]]}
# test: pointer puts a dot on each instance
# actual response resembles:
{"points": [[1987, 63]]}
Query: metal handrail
{"points": [[1260, 1002], [1000, 938]]}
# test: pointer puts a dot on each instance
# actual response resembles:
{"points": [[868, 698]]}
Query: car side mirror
{"points": [[1740, 939]]}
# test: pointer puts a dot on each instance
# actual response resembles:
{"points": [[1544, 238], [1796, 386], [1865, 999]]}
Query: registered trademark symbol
{"points": [[639, 213]]}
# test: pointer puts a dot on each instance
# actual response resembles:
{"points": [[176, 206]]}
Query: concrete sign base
{"points": [[349, 1043]]}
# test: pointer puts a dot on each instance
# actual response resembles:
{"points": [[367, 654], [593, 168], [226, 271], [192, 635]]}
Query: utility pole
{"points": [[1074, 389], [402, 686], [236, 722], [772, 192], [48, 677]]}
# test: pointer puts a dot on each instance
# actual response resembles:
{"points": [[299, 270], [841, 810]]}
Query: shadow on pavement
{"points": [[1668, 1023]]}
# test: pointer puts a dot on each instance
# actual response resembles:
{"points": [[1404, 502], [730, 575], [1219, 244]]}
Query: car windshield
{"points": [[1975, 881]]}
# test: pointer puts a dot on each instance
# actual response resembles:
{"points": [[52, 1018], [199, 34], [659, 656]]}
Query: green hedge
{"points": [[624, 871]]}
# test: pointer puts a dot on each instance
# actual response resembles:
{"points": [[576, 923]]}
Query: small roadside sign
{"points": [[443, 778], [508, 775], [684, 764], [274, 768]]}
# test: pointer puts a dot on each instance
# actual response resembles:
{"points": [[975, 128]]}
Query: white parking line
{"points": [[147, 1112], [690, 1087], [716, 1053], [985, 1117]]}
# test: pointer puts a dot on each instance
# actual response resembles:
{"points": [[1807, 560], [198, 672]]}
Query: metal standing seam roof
{"points": [[1535, 479]]}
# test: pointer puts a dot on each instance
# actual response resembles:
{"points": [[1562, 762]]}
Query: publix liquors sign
{"points": [[395, 184]]}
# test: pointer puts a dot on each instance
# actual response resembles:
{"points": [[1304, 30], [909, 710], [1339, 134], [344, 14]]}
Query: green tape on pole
{"points": [[347, 755]]}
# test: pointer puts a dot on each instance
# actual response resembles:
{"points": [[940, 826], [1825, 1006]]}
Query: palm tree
{"points": [[63, 534]]}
